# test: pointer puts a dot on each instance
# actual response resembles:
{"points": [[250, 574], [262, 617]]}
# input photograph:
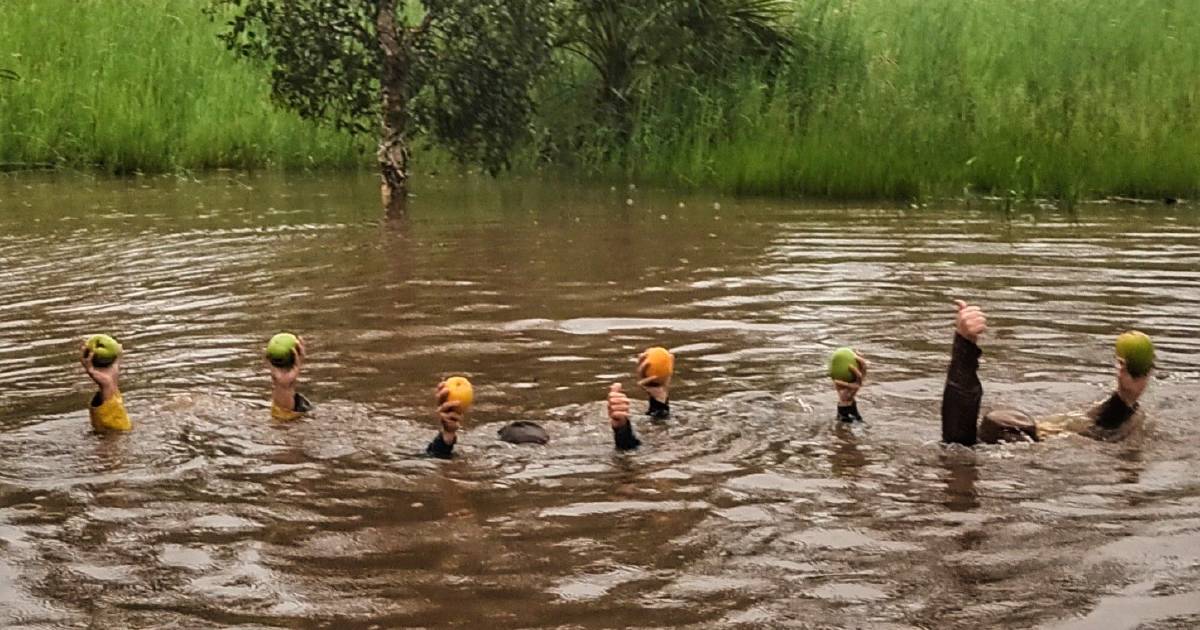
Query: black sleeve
{"points": [[1113, 412], [659, 410], [963, 393], [439, 448], [624, 438], [849, 413]]}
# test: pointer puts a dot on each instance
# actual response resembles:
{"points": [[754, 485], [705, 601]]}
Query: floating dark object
{"points": [[1007, 425], [522, 432]]}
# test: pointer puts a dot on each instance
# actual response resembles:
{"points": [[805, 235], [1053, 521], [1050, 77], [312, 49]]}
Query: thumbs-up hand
{"points": [[970, 321], [618, 406]]}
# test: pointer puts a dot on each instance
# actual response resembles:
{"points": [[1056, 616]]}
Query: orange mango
{"points": [[461, 392], [660, 364]]}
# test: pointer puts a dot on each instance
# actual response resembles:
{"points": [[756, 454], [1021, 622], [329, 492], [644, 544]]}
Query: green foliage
{"points": [[468, 65], [630, 43], [142, 85], [896, 98], [475, 73], [911, 98], [324, 55]]}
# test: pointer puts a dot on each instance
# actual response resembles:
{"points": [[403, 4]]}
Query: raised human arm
{"points": [[963, 392], [618, 418]]}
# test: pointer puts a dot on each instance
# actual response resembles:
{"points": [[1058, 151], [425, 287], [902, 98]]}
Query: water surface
{"points": [[750, 508]]}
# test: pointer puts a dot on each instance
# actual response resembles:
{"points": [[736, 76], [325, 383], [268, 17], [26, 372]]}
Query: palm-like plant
{"points": [[623, 39]]}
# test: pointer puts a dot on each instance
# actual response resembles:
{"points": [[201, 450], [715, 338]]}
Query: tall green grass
{"points": [[892, 98], [911, 98], [142, 85]]}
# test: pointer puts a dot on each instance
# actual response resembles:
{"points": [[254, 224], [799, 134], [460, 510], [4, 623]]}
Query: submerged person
{"points": [[655, 367], [1114, 418], [107, 407], [288, 404], [452, 409], [654, 377]]}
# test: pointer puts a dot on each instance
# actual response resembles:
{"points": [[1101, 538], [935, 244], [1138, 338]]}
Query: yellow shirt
{"points": [[300, 406], [110, 415], [283, 415]]}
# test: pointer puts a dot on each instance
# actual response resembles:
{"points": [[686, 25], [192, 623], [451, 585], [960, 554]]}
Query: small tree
{"points": [[459, 70]]}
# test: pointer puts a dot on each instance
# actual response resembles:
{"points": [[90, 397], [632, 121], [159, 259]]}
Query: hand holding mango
{"points": [[281, 349], [99, 356], [285, 357], [1135, 356], [1137, 351], [104, 350], [655, 367], [848, 371], [455, 396]]}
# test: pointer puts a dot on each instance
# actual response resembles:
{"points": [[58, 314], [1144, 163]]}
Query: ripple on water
{"points": [[750, 508]]}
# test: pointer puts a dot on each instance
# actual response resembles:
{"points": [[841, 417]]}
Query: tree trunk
{"points": [[393, 146]]}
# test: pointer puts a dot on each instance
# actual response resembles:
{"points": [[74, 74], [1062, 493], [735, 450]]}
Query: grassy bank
{"points": [[892, 98], [904, 98], [141, 85]]}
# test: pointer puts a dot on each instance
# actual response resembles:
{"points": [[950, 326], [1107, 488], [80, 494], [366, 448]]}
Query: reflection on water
{"points": [[749, 508]]}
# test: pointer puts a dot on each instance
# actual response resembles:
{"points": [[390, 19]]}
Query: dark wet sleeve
{"points": [[659, 409], [963, 393], [439, 448], [624, 438], [849, 413], [1112, 413]]}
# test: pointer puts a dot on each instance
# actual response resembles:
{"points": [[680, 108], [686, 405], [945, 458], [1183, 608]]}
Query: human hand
{"points": [[847, 391], [450, 412], [970, 322], [106, 378], [1129, 387], [656, 386], [286, 377], [618, 406]]}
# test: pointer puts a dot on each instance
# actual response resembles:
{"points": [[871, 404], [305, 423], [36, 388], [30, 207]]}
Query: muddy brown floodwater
{"points": [[750, 508]]}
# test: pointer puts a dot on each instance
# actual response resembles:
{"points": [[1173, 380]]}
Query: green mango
{"points": [[104, 349], [1138, 351], [281, 350], [840, 363]]}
